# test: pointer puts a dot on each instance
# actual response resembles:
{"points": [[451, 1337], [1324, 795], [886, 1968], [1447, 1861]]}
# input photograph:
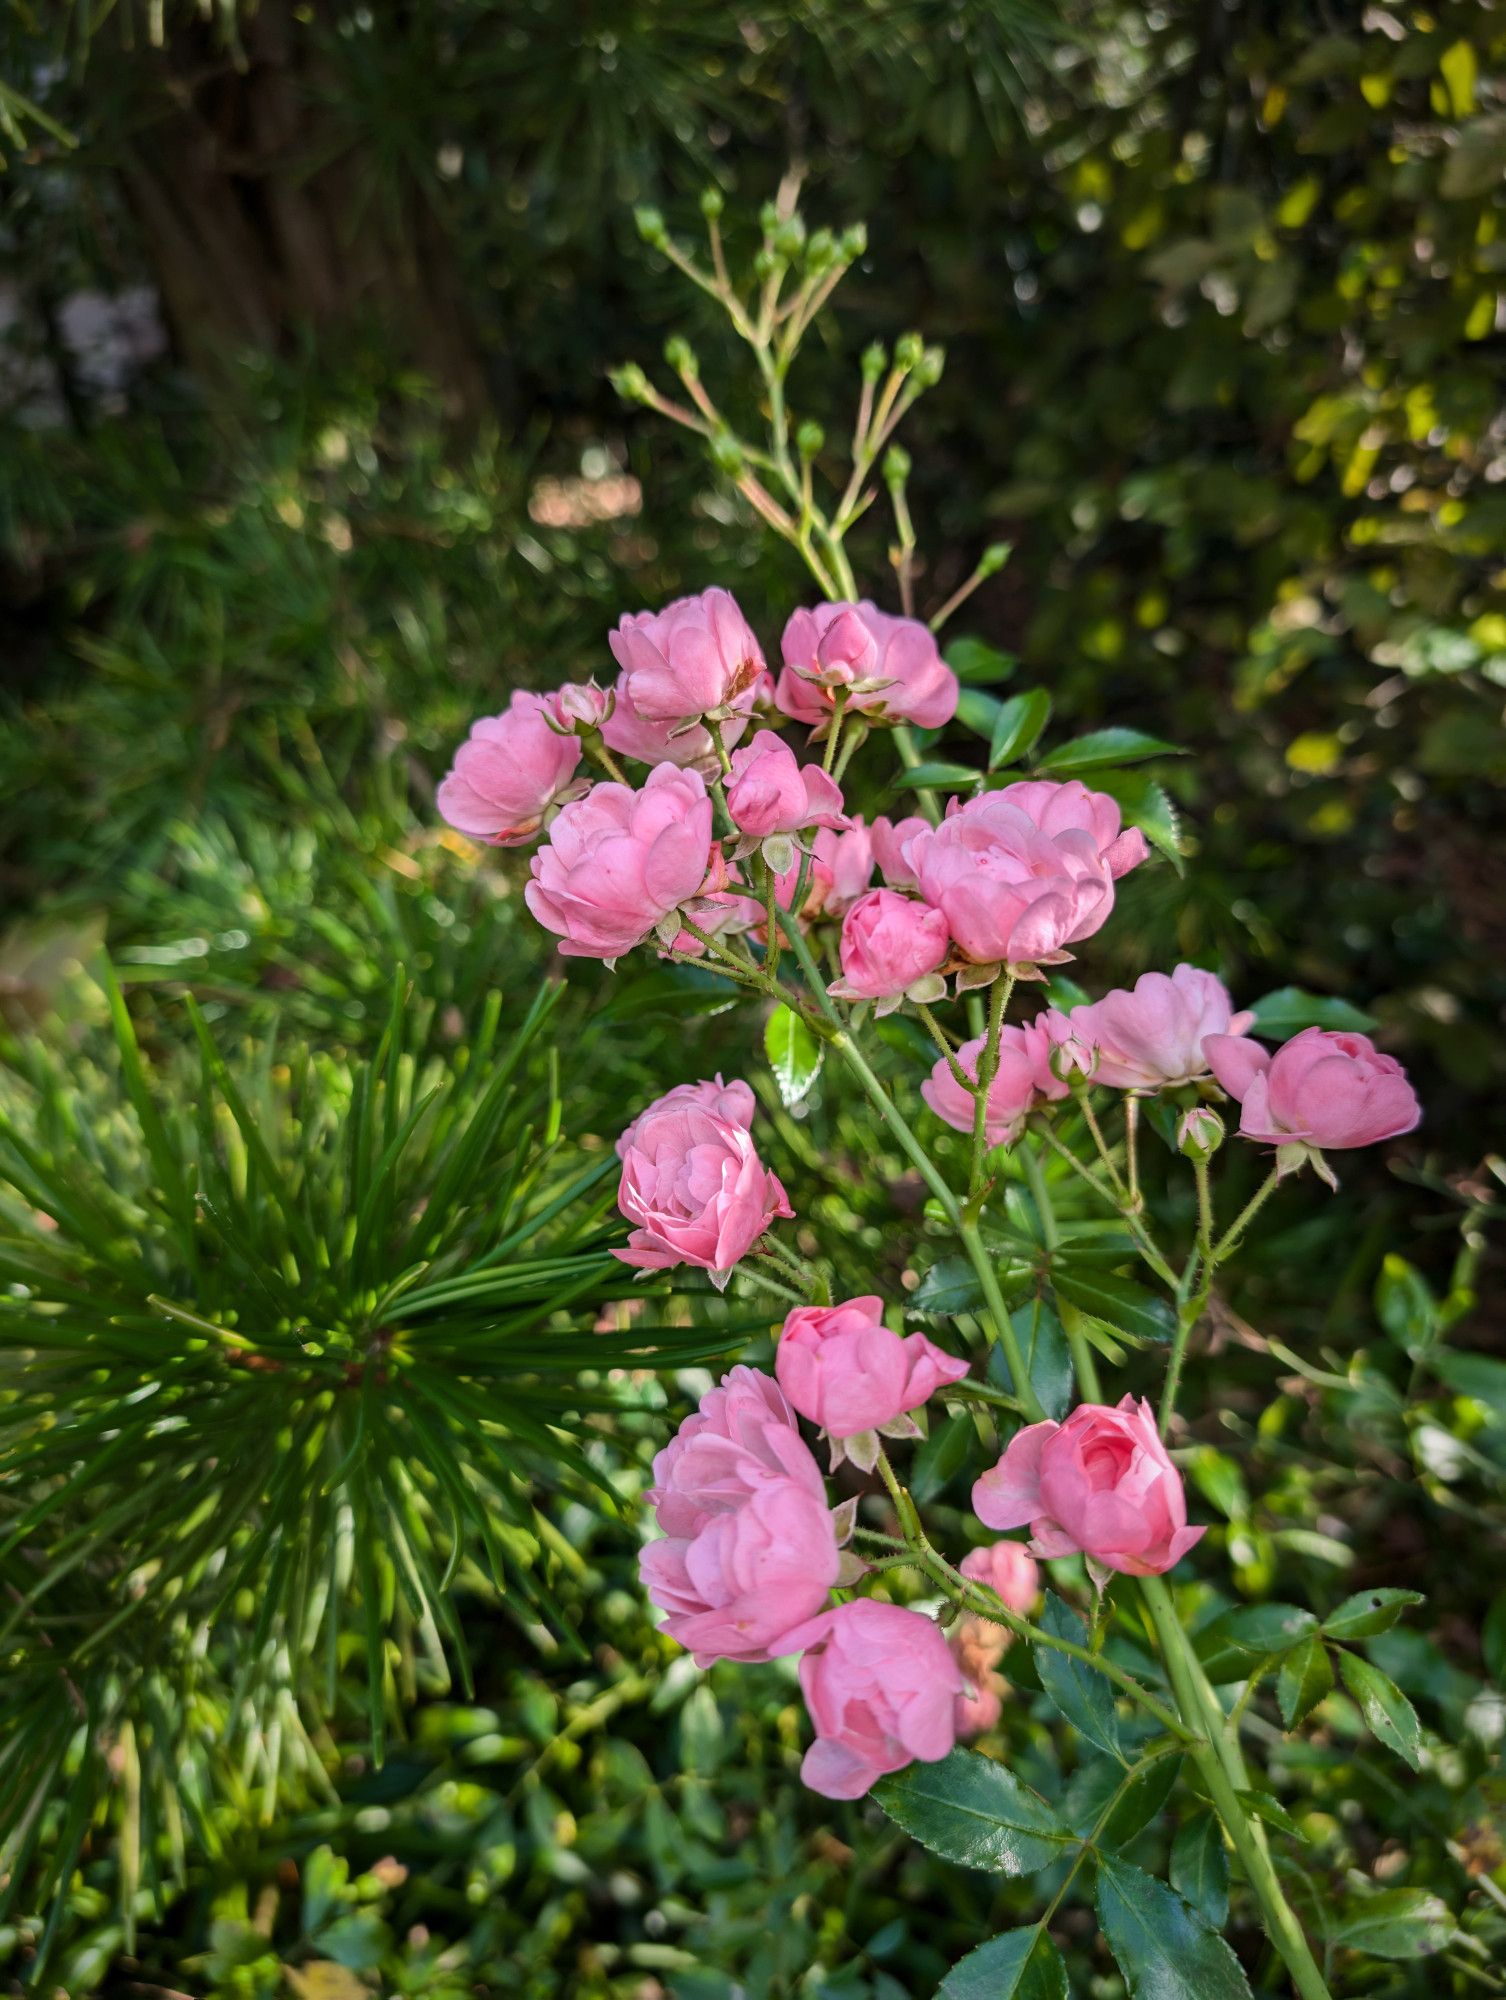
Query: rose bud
{"points": [[1200, 1133], [1101, 1484], [1151, 1037], [848, 1372], [1023, 1083], [697, 657], [750, 1551], [692, 1183], [510, 771], [771, 796], [581, 706], [881, 1684], [892, 949], [888, 669]]}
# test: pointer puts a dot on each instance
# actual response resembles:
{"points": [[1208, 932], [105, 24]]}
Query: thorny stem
{"points": [[988, 1069], [1230, 1239], [939, 1036], [839, 705], [597, 749]]}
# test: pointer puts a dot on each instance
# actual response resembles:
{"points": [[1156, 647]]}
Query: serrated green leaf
{"points": [[1018, 726], [1119, 1302], [942, 1456], [1048, 1359], [1109, 1806], [1146, 803], [1200, 1868], [1262, 1806], [1231, 1644], [1287, 1011], [940, 777], [1369, 1612], [1082, 1696], [1164, 1948], [1019, 1965], [976, 663], [1306, 1676], [794, 1053], [970, 1810], [1389, 1716], [949, 1287], [1396, 1923], [1104, 747]]}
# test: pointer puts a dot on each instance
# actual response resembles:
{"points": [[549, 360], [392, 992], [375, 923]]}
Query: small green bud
{"points": [[809, 438], [769, 218], [1200, 1133], [651, 227], [928, 369], [994, 558], [728, 453], [680, 355], [853, 242], [821, 251], [874, 359], [630, 382], [765, 264], [789, 238], [908, 350], [713, 201], [896, 465]]}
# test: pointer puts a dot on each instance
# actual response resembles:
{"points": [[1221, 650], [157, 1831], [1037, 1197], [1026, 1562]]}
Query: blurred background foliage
{"points": [[308, 457]]}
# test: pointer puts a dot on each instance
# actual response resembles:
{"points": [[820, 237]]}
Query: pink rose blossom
{"points": [[891, 946], [979, 1643], [890, 840], [750, 1549], [880, 1683], [696, 657], [581, 705], [770, 792], [508, 773], [1100, 1484], [841, 869], [692, 1183], [889, 669], [1024, 1081], [1023, 872], [1151, 1037], [618, 864], [688, 745], [845, 1370], [1320, 1089]]}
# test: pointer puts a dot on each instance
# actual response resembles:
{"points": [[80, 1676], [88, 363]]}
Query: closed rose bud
{"points": [[695, 658], [509, 772], [1100, 1485], [750, 1551], [581, 706], [1151, 1037], [1321, 1090], [886, 668], [692, 1183], [1200, 1133], [1024, 1082], [619, 863], [770, 792], [890, 944], [880, 1684], [848, 1372]]}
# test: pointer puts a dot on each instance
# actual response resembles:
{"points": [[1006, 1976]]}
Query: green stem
{"points": [[1246, 1215], [988, 1069], [1285, 1931], [839, 705], [938, 1036], [597, 749]]}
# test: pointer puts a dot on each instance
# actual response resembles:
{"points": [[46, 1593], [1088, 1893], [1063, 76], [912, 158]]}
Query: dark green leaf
{"points": [[973, 1811], [1146, 803], [1164, 1948], [1200, 1868], [1018, 727], [1262, 1806], [794, 1053], [1047, 1356], [1396, 1923], [975, 662], [1108, 1806], [1369, 1612], [1231, 1645], [1406, 1306], [1106, 746], [940, 777], [942, 1456], [1020, 1965], [1084, 1697], [978, 712], [1289, 1010], [1388, 1714], [1306, 1676], [1119, 1302], [949, 1287]]}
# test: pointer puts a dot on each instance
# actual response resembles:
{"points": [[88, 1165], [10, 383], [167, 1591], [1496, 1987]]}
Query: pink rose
{"points": [[1024, 1081], [845, 1370], [1320, 1089], [1023, 872], [696, 657], [1152, 1036], [880, 1683], [618, 864], [892, 946], [1101, 1483], [841, 869], [979, 1643], [688, 745], [692, 1183], [770, 792], [890, 840], [508, 773], [750, 1550], [888, 668], [581, 705]]}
